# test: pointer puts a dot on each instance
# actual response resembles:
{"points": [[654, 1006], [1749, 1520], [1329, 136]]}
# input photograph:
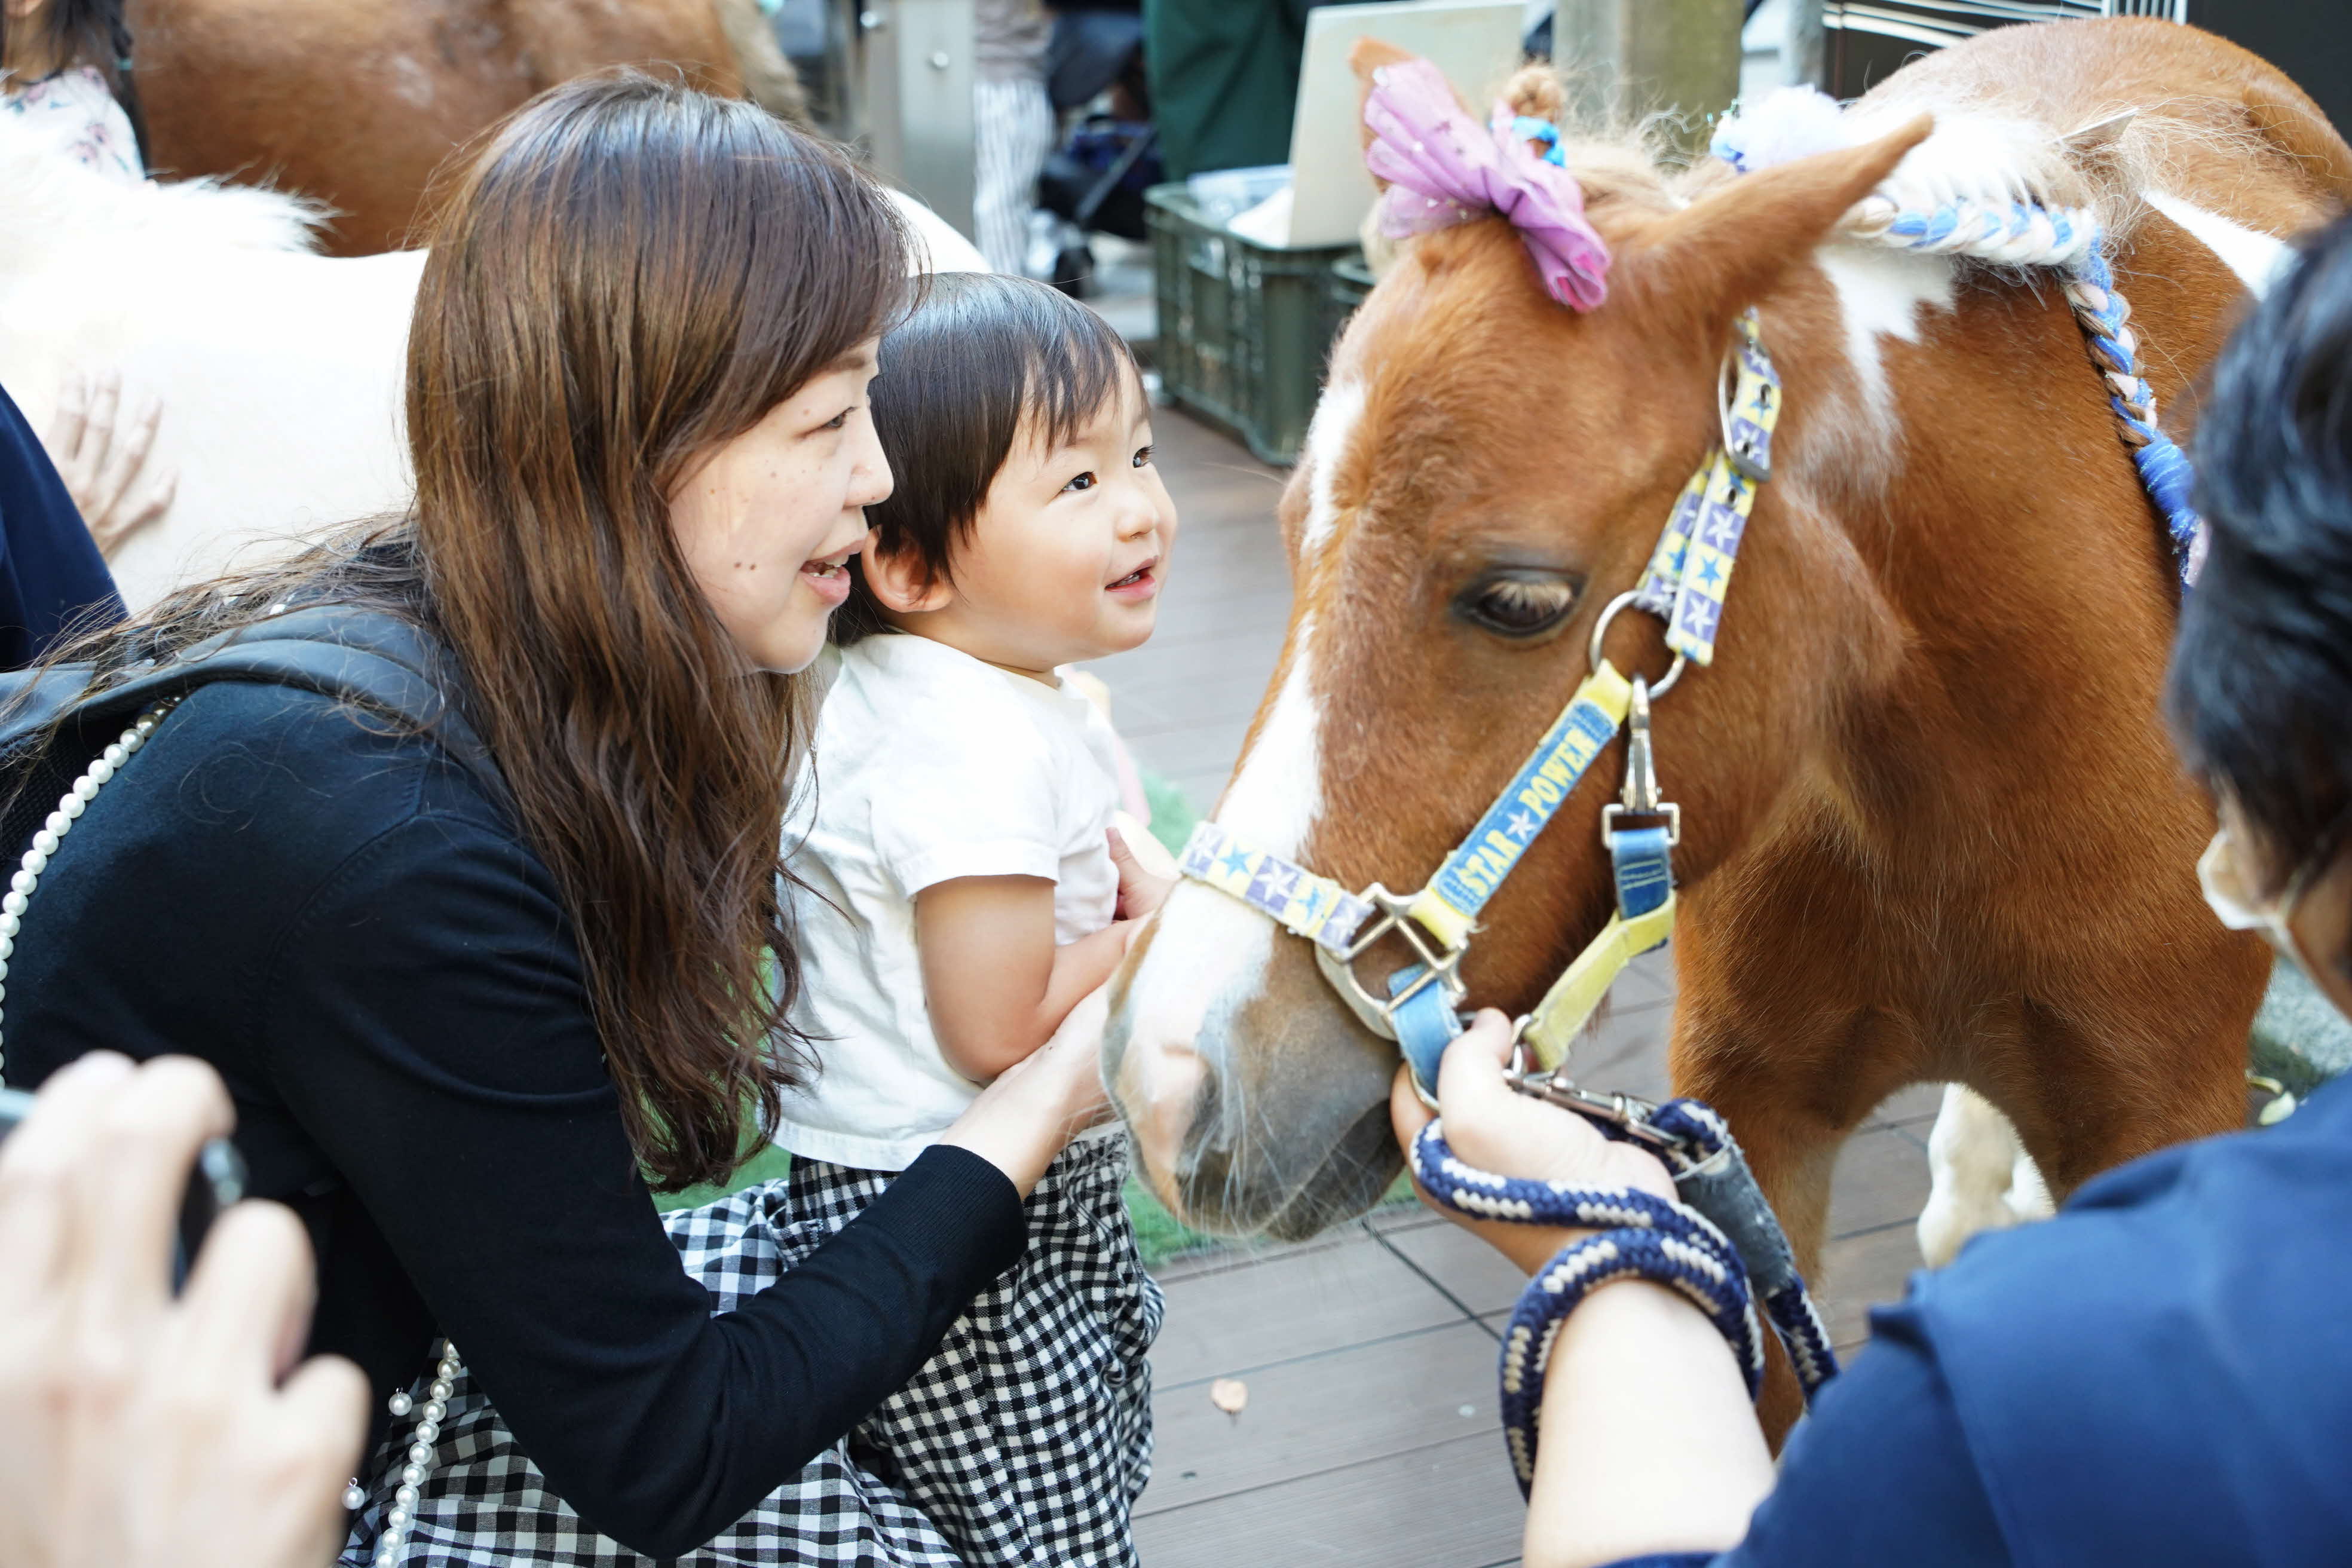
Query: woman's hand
{"points": [[1021, 1121], [135, 1428], [1493, 1127], [105, 468]]}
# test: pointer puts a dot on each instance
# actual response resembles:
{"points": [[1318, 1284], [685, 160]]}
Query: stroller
{"points": [[1094, 181]]}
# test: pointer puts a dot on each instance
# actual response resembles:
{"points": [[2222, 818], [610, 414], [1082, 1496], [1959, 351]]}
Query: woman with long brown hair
{"points": [[468, 1009]]}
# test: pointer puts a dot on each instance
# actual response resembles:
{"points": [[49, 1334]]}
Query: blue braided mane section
{"points": [[2004, 220], [2028, 234], [2164, 469]]}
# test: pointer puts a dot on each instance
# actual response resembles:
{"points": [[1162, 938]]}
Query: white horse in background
{"points": [[279, 370]]}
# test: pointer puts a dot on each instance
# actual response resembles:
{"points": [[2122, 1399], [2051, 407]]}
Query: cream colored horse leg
{"points": [[1981, 1177]]}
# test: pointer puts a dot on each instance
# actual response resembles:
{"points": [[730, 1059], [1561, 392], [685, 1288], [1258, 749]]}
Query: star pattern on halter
{"points": [[1721, 527], [1523, 826], [1236, 863], [1274, 882]]}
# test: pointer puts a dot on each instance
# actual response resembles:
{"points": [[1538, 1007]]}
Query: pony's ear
{"points": [[1727, 250], [1367, 55]]}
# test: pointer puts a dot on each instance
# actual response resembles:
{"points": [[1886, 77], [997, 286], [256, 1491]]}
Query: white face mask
{"points": [[2223, 878]]}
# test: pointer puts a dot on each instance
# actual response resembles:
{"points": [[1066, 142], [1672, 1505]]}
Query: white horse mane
{"points": [[55, 202], [1977, 155]]}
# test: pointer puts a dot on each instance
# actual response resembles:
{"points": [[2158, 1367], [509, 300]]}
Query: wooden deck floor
{"points": [[1370, 1436]]}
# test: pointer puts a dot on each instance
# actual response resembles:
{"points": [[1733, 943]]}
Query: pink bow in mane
{"points": [[1441, 169]]}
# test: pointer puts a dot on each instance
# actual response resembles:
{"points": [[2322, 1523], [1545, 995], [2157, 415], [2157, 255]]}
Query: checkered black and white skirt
{"points": [[1022, 1441]]}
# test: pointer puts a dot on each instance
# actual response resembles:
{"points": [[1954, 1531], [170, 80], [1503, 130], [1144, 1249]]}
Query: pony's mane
{"points": [[56, 204], [1985, 151]]}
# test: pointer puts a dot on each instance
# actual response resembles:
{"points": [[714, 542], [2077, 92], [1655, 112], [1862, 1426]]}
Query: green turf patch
{"points": [[1172, 816], [769, 1164]]}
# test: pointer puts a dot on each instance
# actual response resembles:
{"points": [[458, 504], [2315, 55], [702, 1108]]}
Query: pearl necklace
{"points": [[401, 1517], [52, 832]]}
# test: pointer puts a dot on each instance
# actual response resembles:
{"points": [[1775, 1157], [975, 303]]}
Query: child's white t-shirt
{"points": [[928, 765]]}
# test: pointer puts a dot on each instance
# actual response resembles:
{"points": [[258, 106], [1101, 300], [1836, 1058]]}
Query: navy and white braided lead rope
{"points": [[1638, 1237]]}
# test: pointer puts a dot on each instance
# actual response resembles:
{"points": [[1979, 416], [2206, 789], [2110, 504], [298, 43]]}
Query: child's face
{"points": [[1065, 559], [767, 520]]}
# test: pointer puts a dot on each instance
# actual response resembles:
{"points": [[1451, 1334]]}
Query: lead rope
{"points": [[52, 833], [1718, 1267]]}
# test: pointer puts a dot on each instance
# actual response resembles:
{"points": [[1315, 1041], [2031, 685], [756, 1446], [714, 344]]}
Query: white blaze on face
{"points": [[1327, 446], [1209, 950]]}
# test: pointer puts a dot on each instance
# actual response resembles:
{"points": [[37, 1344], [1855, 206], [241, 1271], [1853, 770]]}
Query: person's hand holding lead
{"points": [[1491, 1126]]}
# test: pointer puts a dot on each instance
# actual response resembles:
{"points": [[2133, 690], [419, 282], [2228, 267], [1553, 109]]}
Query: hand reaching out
{"points": [[1147, 873], [104, 462]]}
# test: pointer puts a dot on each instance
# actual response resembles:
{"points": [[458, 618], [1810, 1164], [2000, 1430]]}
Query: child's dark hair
{"points": [[2261, 688], [977, 359]]}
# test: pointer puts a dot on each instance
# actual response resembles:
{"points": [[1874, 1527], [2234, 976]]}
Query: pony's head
{"points": [[1491, 464]]}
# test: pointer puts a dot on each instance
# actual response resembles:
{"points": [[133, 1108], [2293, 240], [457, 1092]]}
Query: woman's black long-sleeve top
{"points": [[379, 966]]}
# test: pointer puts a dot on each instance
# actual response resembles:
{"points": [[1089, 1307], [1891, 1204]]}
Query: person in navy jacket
{"points": [[52, 579]]}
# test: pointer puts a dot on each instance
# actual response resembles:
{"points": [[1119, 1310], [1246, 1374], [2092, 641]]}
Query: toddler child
{"points": [[61, 75], [961, 895]]}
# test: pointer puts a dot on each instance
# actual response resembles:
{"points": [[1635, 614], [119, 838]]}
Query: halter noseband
{"points": [[1418, 1005]]}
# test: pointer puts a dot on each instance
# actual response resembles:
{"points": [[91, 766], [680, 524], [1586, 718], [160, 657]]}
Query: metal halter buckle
{"points": [[1750, 466], [1441, 965]]}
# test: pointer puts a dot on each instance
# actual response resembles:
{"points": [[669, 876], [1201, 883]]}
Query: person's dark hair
{"points": [[87, 33], [627, 274], [2261, 685], [978, 359]]}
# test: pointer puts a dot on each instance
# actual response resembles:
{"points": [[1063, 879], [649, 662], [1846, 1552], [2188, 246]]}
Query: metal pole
{"points": [[1805, 53], [1630, 59]]}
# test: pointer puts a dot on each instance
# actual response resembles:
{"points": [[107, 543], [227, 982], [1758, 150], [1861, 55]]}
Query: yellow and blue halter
{"points": [[1689, 573]]}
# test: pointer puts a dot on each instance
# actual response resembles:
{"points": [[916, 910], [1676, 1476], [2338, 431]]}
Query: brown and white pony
{"points": [[1933, 829]]}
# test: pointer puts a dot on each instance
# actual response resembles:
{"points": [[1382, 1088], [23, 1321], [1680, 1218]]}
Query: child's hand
{"points": [[1145, 878]]}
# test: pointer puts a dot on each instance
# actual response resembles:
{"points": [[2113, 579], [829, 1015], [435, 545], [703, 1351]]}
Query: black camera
{"points": [[218, 1181]]}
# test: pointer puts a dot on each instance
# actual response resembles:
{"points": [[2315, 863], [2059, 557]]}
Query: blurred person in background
{"points": [[1012, 124], [63, 72], [52, 579], [1224, 79]]}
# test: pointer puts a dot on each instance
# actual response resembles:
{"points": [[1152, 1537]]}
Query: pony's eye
{"points": [[1519, 604]]}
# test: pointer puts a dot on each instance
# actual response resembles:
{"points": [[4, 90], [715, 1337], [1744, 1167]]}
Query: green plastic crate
{"points": [[1245, 329], [1344, 290]]}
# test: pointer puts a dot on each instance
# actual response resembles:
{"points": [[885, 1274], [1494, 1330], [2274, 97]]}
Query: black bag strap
{"points": [[375, 661]]}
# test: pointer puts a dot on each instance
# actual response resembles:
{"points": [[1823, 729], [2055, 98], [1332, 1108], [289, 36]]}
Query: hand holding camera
{"points": [[137, 1427]]}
